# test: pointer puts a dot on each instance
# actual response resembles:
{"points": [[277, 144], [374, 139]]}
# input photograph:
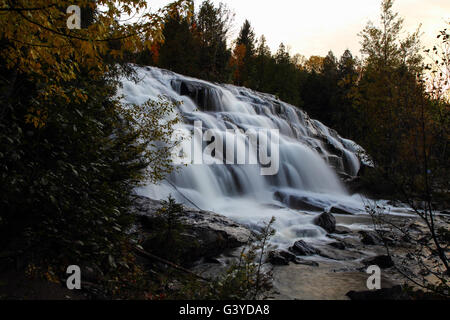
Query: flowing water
{"points": [[311, 156]]}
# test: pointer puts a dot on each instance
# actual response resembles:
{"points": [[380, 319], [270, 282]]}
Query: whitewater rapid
{"points": [[311, 156]]}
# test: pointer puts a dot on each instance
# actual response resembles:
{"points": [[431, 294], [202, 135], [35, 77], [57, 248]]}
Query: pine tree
{"points": [[179, 51], [246, 40], [212, 27]]}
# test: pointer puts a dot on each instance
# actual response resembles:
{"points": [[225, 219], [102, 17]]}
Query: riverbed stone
{"points": [[326, 221], [301, 248]]}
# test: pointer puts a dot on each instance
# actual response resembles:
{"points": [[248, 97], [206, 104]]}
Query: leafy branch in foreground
{"points": [[153, 123]]}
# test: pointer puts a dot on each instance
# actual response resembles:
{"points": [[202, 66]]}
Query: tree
{"points": [[345, 119], [179, 52], [403, 130], [382, 45], [245, 40], [299, 60], [238, 64], [314, 64], [285, 77], [212, 27], [386, 88], [263, 66]]}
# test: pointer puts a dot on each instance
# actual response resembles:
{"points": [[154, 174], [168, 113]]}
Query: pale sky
{"points": [[313, 27]]}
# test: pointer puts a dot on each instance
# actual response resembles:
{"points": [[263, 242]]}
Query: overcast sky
{"points": [[313, 27]]}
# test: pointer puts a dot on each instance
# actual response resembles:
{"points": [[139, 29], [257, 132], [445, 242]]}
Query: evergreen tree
{"points": [[212, 29], [345, 119], [180, 49], [245, 43], [264, 65], [247, 38]]}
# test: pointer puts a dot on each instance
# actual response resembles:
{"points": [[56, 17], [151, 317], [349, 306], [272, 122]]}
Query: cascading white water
{"points": [[311, 155]]}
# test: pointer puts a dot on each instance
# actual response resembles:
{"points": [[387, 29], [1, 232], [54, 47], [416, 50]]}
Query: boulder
{"points": [[205, 233], [383, 261], [326, 221], [297, 202], [370, 238], [342, 230], [301, 248], [277, 260], [338, 245], [281, 258]]}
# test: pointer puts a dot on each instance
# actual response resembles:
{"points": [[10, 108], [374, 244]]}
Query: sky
{"points": [[313, 27]]}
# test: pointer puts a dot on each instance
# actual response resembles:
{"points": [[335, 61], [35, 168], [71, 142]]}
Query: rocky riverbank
{"points": [[334, 269]]}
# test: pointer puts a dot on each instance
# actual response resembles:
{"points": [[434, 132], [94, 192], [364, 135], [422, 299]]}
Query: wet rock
{"points": [[287, 255], [335, 162], [326, 221], [332, 148], [342, 230], [344, 176], [383, 261], [343, 210], [394, 293], [205, 96], [370, 238], [205, 233], [332, 253], [348, 242], [277, 259], [301, 248], [338, 245], [283, 258], [296, 202]]}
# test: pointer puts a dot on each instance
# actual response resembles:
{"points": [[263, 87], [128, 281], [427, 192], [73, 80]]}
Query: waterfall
{"points": [[311, 155]]}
